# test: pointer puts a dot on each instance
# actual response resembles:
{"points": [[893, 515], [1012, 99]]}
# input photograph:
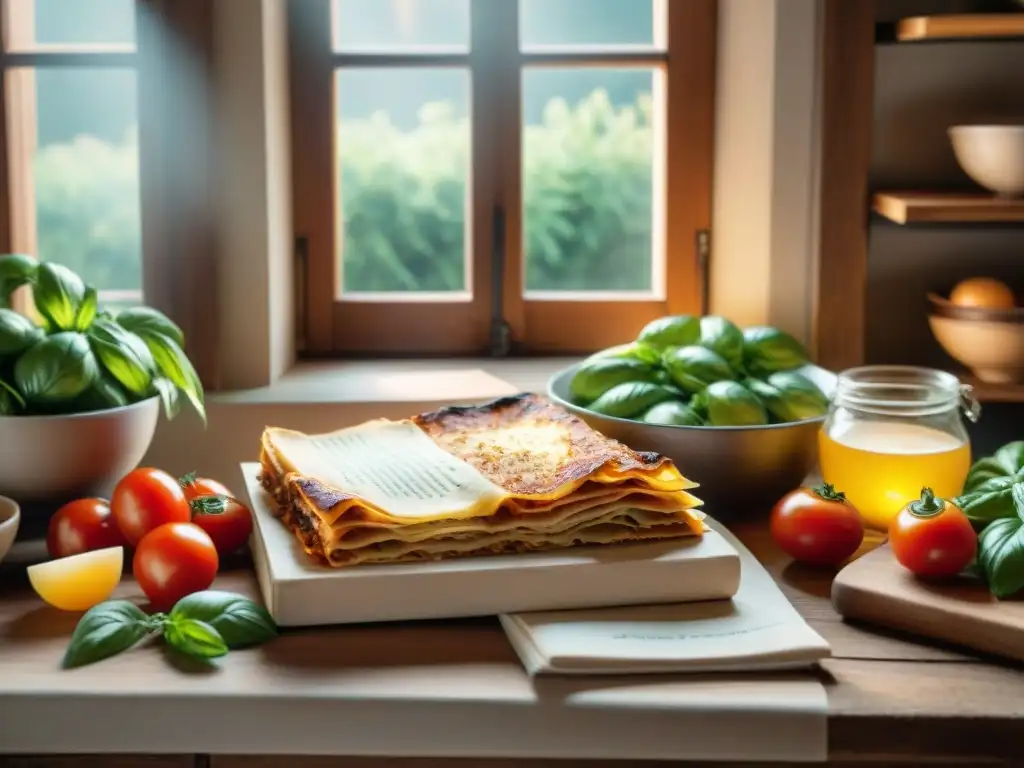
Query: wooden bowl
{"points": [[990, 342]]}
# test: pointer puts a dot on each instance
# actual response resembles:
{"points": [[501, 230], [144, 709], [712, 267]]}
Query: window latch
{"points": [[501, 332], [702, 243]]}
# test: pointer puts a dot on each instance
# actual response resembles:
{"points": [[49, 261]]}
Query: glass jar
{"points": [[893, 430]]}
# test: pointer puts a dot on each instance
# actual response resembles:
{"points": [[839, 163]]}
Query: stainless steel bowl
{"points": [[47, 460], [742, 471]]}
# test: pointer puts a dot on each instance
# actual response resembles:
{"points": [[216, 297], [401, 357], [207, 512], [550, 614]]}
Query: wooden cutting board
{"points": [[878, 590]]}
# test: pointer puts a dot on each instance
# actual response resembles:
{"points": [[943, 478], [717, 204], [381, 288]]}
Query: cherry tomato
{"points": [[817, 526], [174, 560], [145, 499], [80, 526], [932, 537], [195, 487], [227, 520]]}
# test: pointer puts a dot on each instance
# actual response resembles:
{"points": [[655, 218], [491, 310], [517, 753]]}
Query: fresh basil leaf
{"points": [[58, 368], [11, 401], [87, 310], [1008, 461], [239, 620], [1001, 556], [173, 363], [106, 630], [17, 332], [16, 270], [104, 394], [146, 321], [125, 356], [58, 294], [989, 501], [169, 396], [194, 637]]}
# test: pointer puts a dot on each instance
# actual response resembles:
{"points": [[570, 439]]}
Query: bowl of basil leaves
{"points": [[737, 410], [80, 386]]}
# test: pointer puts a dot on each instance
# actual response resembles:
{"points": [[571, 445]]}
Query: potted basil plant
{"points": [[81, 386]]}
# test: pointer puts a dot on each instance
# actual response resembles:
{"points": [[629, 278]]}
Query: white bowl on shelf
{"points": [[992, 155]]}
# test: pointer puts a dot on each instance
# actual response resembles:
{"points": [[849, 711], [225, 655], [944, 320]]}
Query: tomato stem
{"points": [[928, 505], [187, 479], [828, 492]]}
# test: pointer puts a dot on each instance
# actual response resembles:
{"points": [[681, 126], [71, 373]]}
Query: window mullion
{"points": [[496, 124]]}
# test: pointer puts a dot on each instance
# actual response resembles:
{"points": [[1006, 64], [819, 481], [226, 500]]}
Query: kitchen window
{"points": [[476, 176], [94, 171], [72, 150]]}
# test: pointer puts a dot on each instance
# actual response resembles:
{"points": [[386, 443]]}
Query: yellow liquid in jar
{"points": [[881, 466]]}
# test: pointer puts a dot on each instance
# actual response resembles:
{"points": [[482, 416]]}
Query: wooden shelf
{"points": [[947, 207], [960, 27]]}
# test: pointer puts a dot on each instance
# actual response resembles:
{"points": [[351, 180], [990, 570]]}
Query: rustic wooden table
{"points": [[891, 699]]}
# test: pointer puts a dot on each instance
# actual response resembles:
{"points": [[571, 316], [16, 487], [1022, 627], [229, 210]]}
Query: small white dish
{"points": [[10, 517]]}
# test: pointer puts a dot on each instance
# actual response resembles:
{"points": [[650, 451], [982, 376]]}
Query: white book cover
{"points": [[758, 630]]}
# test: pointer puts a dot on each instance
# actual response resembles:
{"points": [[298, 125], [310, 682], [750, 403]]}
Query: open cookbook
{"points": [[757, 630]]}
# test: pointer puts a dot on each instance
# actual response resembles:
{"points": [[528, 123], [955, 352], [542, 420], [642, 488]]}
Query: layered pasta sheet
{"points": [[517, 474]]}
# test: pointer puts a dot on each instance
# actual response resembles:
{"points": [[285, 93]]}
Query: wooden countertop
{"points": [[889, 698]]}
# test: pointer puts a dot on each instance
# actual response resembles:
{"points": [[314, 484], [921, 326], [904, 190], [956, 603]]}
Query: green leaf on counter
{"points": [[106, 630], [124, 355], [1001, 550], [194, 637], [58, 368], [146, 321], [238, 620], [58, 294], [1008, 461]]}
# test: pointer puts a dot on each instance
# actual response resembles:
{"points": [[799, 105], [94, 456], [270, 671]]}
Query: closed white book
{"points": [[757, 630]]}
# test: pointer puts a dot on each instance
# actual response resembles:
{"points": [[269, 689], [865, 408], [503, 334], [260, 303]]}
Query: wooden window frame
{"points": [[172, 58], [331, 325]]}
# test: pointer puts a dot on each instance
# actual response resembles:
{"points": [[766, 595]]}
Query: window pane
{"points": [[86, 175], [400, 24], [404, 146], [586, 22], [75, 22], [588, 179]]}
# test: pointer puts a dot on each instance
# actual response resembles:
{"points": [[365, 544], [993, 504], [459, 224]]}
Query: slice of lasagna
{"points": [[517, 474]]}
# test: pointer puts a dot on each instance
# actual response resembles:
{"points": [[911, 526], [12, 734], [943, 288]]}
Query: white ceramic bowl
{"points": [[992, 155], [54, 459], [10, 517], [742, 471]]}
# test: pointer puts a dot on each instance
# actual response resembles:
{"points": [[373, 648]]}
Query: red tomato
{"points": [[172, 561], [82, 526], [932, 537], [817, 526], [145, 499], [195, 487], [227, 520]]}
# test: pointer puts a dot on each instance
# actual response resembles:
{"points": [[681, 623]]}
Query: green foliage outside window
{"points": [[87, 209], [587, 190]]}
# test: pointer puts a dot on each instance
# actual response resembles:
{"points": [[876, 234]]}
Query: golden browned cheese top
{"points": [[527, 445]]}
